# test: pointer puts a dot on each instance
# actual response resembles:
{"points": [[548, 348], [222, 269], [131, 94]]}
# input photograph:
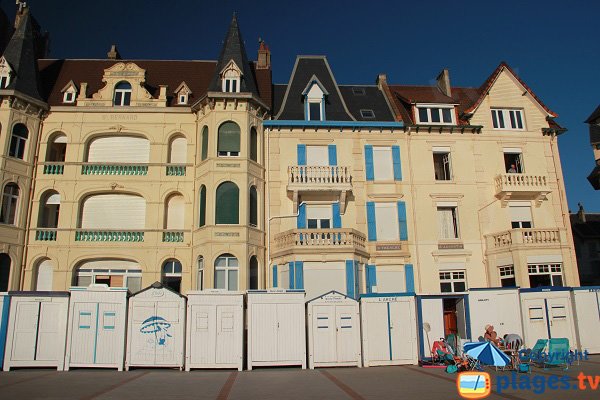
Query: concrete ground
{"points": [[410, 382]]}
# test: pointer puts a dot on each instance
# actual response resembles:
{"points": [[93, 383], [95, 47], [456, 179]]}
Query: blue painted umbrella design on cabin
{"points": [[159, 327]]}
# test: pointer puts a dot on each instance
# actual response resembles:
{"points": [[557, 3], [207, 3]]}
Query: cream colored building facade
{"points": [[204, 174]]}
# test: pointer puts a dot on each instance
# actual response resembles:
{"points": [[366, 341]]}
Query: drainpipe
{"points": [[485, 259], [417, 261], [269, 232]]}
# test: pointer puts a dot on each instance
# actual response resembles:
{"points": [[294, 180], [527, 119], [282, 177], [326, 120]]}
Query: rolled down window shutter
{"points": [[175, 213], [119, 149], [178, 151], [371, 278], [337, 218], [114, 211], [202, 219], [229, 137], [44, 276], [396, 162], [301, 154], [332, 154], [369, 170], [301, 219], [371, 225], [228, 204], [350, 278], [402, 220], [204, 143], [409, 276]]}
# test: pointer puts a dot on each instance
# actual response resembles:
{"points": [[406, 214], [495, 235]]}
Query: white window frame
{"points": [[5, 72], [227, 268], [8, 200], [182, 98], [126, 273], [456, 225], [506, 119], [231, 78], [122, 92], [553, 270], [429, 108], [320, 220], [520, 222], [506, 272], [394, 222], [520, 167], [446, 164], [69, 97], [320, 103], [200, 280], [389, 168], [453, 277]]}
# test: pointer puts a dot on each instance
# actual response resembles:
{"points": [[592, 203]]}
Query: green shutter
{"points": [[253, 206], [253, 145], [229, 137], [202, 221], [227, 204], [205, 143]]}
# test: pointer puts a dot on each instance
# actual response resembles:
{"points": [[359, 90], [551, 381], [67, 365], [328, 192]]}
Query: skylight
{"points": [[358, 91], [367, 114]]}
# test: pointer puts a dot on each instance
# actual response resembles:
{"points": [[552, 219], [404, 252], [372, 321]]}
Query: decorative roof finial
{"points": [[21, 5]]}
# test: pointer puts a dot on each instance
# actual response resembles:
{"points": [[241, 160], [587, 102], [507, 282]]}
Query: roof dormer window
{"points": [[122, 94], [231, 76], [5, 71], [314, 100], [183, 94], [69, 93], [434, 114]]}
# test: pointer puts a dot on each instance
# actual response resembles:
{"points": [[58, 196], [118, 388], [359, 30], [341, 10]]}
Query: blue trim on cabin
{"points": [[492, 288], [389, 330], [420, 329], [4, 327], [547, 319], [340, 124], [588, 288], [250, 291], [546, 289], [96, 336], [394, 294]]}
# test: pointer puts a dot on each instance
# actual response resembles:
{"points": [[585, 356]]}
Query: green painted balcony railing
{"points": [[173, 236], [45, 234], [175, 170], [122, 169], [54, 169], [109, 236]]}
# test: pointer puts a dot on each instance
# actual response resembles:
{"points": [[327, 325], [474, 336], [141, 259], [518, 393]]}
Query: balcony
{"points": [[114, 169], [97, 235], [323, 178], [172, 236], [526, 238], [175, 170], [45, 234], [521, 187], [54, 168], [320, 240]]}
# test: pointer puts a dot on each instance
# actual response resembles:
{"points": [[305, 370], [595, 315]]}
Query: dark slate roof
{"points": [[595, 134], [595, 115], [233, 49], [5, 30], [56, 74], [588, 229], [594, 178], [372, 99], [20, 55], [292, 104]]}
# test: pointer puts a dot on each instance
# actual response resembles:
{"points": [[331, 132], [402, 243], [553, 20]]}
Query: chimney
{"points": [[581, 214], [113, 54], [381, 80], [264, 56], [82, 91], [162, 95], [443, 82]]}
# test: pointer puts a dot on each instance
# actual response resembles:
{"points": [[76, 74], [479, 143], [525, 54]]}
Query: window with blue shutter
{"points": [[371, 224], [369, 170], [274, 275], [397, 164], [350, 278], [402, 220], [292, 275], [335, 213], [299, 275], [409, 277], [301, 219], [371, 278], [301, 154], [332, 154]]}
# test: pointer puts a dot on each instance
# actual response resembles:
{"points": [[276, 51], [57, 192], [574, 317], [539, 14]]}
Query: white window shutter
{"points": [[383, 164], [386, 215], [520, 213], [178, 151], [119, 149], [317, 155], [114, 211], [175, 213]]}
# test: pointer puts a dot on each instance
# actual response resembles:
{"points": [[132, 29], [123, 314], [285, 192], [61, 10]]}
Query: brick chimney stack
{"points": [[264, 56], [113, 54], [443, 82]]}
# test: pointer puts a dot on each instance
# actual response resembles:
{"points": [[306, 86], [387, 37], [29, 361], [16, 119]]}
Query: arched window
{"points": [[122, 94], [226, 272], [253, 206], [178, 150], [175, 212], [202, 218], [115, 211], [253, 273], [204, 155], [228, 143], [18, 141], [118, 149], [227, 204], [49, 210], [44, 276], [57, 148], [253, 145], [200, 283], [4, 271], [231, 78], [171, 275], [10, 202]]}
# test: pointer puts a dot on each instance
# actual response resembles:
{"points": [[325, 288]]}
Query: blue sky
{"points": [[553, 45]]}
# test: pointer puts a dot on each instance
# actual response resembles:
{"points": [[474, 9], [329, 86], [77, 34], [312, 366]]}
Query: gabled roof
{"points": [[292, 103], [489, 82], [594, 117], [20, 55], [233, 49], [158, 285]]}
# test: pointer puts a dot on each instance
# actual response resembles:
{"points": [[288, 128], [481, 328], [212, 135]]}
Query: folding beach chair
{"points": [[534, 355], [558, 353]]}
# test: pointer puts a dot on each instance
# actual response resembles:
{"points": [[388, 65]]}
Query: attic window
{"points": [[367, 114], [122, 94], [4, 74], [183, 94], [4, 81], [435, 114], [183, 98], [231, 78], [358, 91], [69, 96], [314, 102]]}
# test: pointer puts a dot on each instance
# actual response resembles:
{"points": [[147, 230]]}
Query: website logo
{"points": [[473, 385]]}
